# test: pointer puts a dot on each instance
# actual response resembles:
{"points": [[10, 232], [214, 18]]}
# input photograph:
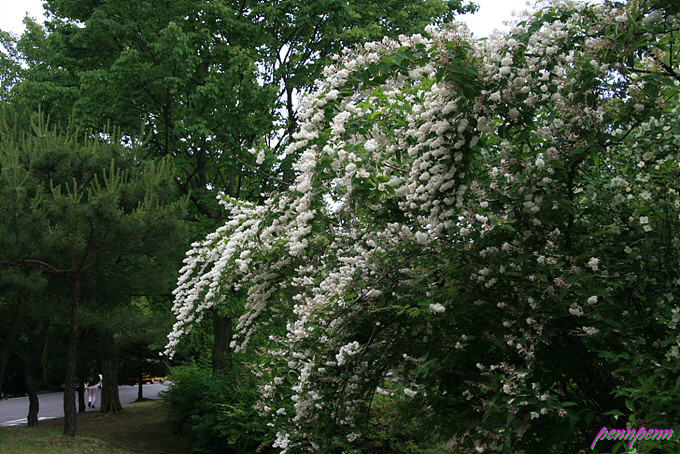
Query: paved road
{"points": [[13, 411]]}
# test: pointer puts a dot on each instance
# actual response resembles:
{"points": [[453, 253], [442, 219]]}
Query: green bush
{"points": [[399, 427], [216, 414], [392, 426]]}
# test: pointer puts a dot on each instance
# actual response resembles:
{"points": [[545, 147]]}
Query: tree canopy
{"points": [[481, 232], [209, 79]]}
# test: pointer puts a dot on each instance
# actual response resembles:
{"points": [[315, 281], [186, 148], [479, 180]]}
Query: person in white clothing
{"points": [[92, 391]]}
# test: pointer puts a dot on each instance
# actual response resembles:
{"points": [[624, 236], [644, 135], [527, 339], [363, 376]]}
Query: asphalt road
{"points": [[13, 411]]}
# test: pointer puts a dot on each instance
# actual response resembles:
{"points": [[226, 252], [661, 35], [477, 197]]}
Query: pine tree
{"points": [[79, 209]]}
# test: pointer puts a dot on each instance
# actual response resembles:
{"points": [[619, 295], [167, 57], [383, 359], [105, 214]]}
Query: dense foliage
{"points": [[486, 231], [216, 413], [210, 80], [83, 222], [207, 81]]}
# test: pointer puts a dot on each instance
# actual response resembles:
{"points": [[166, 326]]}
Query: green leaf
{"points": [[630, 405]]}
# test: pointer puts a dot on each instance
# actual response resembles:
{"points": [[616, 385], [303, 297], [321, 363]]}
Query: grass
{"points": [[141, 428]]}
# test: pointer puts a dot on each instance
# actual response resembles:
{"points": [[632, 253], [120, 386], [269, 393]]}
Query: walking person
{"points": [[93, 391]]}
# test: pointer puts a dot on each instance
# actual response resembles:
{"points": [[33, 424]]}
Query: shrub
{"points": [[216, 414]]}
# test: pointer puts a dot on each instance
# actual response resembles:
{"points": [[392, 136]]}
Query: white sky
{"points": [[12, 14], [491, 15]]}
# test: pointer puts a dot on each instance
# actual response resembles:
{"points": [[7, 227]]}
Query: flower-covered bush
{"points": [[485, 230]]}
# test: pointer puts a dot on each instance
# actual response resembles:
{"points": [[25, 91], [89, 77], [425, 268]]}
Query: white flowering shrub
{"points": [[473, 224]]}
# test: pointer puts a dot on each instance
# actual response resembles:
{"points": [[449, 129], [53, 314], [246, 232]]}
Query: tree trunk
{"points": [[33, 403], [7, 343], [81, 397], [287, 162], [110, 402], [222, 334], [140, 394], [70, 415], [230, 184]]}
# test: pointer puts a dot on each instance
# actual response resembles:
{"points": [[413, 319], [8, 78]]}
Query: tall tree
{"points": [[78, 209], [185, 69]]}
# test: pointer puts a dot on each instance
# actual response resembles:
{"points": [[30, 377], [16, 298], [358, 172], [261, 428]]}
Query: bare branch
{"points": [[30, 263], [252, 167]]}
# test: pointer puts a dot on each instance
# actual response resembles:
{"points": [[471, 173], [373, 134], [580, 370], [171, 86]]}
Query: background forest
{"points": [[447, 245]]}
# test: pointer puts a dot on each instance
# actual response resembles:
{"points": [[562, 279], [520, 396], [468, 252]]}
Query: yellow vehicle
{"points": [[146, 378]]}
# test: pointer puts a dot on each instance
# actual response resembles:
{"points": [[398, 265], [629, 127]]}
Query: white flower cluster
{"points": [[347, 350], [453, 178]]}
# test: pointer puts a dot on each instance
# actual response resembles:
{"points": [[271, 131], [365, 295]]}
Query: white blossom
{"points": [[410, 392], [575, 310], [437, 308]]}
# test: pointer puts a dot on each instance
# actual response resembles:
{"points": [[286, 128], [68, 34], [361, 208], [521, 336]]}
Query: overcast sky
{"points": [[12, 13], [491, 15]]}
